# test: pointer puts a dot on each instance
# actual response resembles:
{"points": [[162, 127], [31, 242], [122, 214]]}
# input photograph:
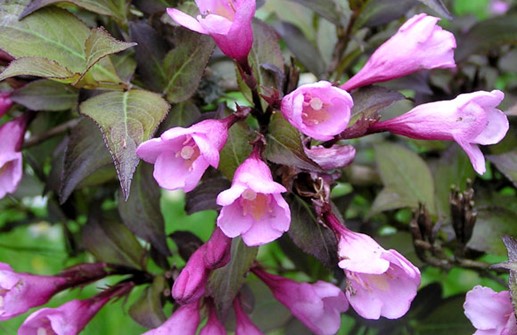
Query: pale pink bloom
{"points": [[71, 317], [217, 251], [470, 119], [184, 321], [244, 325], [253, 206], [227, 21], [5, 103], [419, 44], [379, 282], [213, 324], [11, 169], [318, 110], [181, 155], [490, 312], [499, 7], [318, 306], [190, 285], [21, 291], [335, 157]]}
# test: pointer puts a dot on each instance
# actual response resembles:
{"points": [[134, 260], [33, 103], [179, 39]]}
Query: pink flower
{"points": [[335, 157], [11, 169], [181, 155], [227, 21], [190, 285], [70, 318], [490, 312], [213, 325], [318, 110], [217, 251], [184, 321], [318, 305], [5, 102], [379, 282], [419, 44], [20, 291], [499, 7], [244, 325], [253, 206], [470, 119]]}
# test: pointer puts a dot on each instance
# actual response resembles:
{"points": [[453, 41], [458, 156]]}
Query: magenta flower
{"points": [[253, 206], [491, 313], [11, 169], [335, 157], [470, 119], [318, 306], [244, 325], [419, 44], [181, 155], [213, 324], [184, 321], [227, 21], [69, 318], [5, 102], [217, 250], [190, 285], [318, 110], [379, 282], [20, 291]]}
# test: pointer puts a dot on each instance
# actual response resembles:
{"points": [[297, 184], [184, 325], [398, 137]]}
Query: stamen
{"points": [[249, 194], [1, 302], [316, 104], [41, 331], [187, 152]]}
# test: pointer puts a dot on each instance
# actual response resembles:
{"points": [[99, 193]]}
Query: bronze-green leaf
{"points": [[126, 119]]}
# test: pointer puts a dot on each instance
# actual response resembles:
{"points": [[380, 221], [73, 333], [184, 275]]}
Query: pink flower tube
{"points": [[490, 312], [318, 110], [5, 103], [419, 44], [181, 155], [470, 119], [184, 321], [69, 318], [318, 306], [213, 325], [190, 285], [11, 169], [244, 325], [253, 206], [227, 21], [379, 282]]}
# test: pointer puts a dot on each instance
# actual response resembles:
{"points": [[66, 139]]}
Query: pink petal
{"points": [[486, 309], [232, 221], [475, 155], [186, 20]]}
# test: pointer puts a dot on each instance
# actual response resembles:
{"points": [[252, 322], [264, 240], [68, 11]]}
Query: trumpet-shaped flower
{"points": [[228, 22], [190, 285], [184, 321], [335, 157], [244, 325], [318, 110], [318, 306], [253, 206], [470, 119], [11, 171], [419, 44], [181, 155]]}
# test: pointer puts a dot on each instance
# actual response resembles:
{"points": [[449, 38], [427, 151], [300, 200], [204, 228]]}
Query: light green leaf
{"points": [[100, 44], [126, 119], [406, 177], [39, 67]]}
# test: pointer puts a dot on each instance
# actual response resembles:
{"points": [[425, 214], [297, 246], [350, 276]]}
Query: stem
{"points": [[58, 130]]}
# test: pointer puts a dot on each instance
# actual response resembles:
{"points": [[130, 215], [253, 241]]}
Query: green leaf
{"points": [[493, 222], [85, 155], [487, 35], [46, 95], [235, 151], [186, 64], [148, 309], [126, 119], [183, 114], [377, 12], [284, 145], [225, 283], [332, 10], [141, 212], [115, 8], [39, 67], [439, 7], [406, 177], [110, 241], [446, 318], [507, 164], [40, 36], [372, 99]]}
